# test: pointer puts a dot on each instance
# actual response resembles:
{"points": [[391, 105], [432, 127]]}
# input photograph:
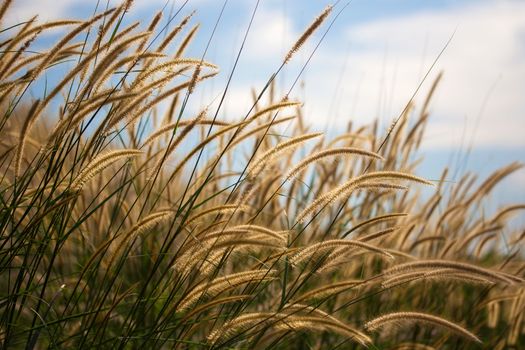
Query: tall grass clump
{"points": [[121, 227]]}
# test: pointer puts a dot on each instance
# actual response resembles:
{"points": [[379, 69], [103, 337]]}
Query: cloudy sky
{"points": [[369, 65]]}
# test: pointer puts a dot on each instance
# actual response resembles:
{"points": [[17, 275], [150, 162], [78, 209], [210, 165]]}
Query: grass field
{"points": [[124, 227]]}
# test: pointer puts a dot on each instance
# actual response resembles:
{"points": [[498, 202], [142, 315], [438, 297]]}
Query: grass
{"points": [[123, 228]]}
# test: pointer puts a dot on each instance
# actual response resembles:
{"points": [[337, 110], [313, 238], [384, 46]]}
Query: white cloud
{"points": [[271, 36], [484, 72], [46, 10]]}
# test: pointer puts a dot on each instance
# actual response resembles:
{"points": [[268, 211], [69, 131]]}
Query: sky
{"points": [[368, 66]]}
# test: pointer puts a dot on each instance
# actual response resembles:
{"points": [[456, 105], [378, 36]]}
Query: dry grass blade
{"points": [[308, 32], [168, 67], [496, 276], [343, 192], [173, 145], [265, 159], [55, 51], [218, 210], [131, 114], [374, 220], [275, 107], [254, 131], [244, 321], [172, 126], [100, 163], [72, 123], [343, 151], [321, 247], [412, 346], [213, 303], [360, 182], [35, 30], [403, 317], [327, 291], [174, 32], [378, 234], [205, 142], [439, 274], [308, 313], [4, 8], [150, 221], [278, 235], [140, 228], [315, 323], [23, 136], [222, 284]]}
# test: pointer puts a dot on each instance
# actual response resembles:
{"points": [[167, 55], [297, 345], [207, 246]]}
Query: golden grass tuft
{"points": [[186, 227]]}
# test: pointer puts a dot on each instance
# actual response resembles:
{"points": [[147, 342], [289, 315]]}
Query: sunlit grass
{"points": [[122, 227]]}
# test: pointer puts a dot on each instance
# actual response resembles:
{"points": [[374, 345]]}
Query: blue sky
{"points": [[369, 65]]}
